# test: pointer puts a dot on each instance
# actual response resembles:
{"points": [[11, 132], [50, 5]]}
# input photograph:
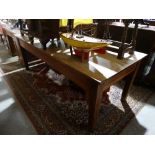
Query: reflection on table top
{"points": [[99, 66]]}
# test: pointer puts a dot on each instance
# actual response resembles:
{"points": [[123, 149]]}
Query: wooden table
{"points": [[94, 76], [12, 42]]}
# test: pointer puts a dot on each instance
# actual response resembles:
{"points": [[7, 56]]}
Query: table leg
{"points": [[44, 42], [71, 50], [1, 36], [31, 38], [11, 45], [128, 83], [94, 100], [25, 58]]}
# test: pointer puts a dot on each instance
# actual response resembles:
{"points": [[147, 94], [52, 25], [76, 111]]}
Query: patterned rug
{"points": [[56, 105]]}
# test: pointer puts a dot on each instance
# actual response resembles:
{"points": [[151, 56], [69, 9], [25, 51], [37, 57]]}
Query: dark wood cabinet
{"points": [[43, 29]]}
